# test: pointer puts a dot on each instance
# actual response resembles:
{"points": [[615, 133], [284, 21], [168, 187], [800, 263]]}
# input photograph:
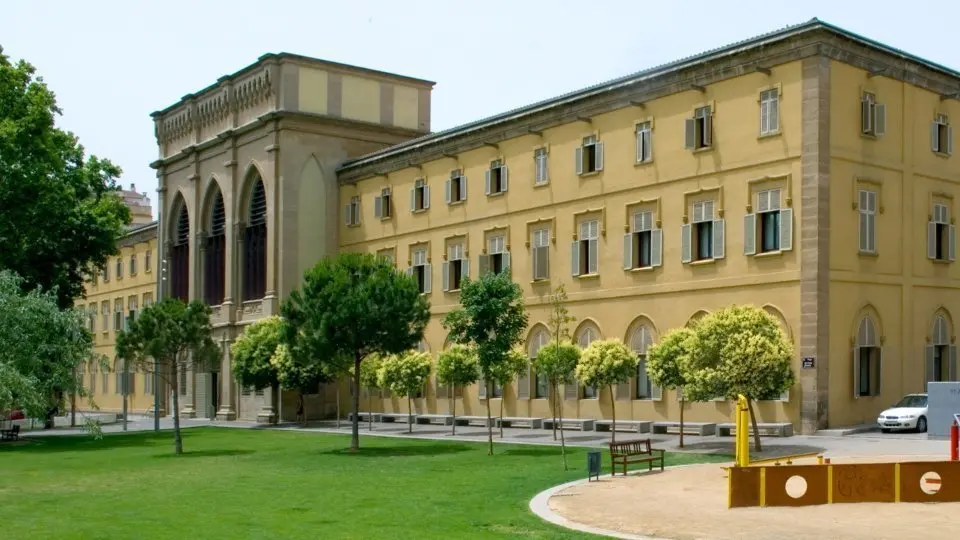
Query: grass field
{"points": [[240, 484]]}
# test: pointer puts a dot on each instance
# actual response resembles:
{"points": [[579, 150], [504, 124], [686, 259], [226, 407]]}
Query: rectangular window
{"points": [[382, 205], [93, 318], [496, 178], [698, 131], [768, 212], [867, 371], [643, 245], [119, 269], [182, 381], [496, 390], [105, 313], [420, 269], [585, 250], [867, 204], [147, 300], [132, 308], [589, 156], [941, 235], [540, 253], [117, 315], [497, 258], [455, 268], [541, 175], [387, 255], [644, 389], [419, 196], [148, 384], [703, 230], [873, 116], [644, 141], [351, 212], [941, 135], [133, 265], [456, 187], [769, 111], [147, 262], [105, 274]]}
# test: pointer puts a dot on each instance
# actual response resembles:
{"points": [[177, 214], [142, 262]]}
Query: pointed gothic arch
{"points": [[179, 266], [214, 246], [940, 352], [587, 333], [535, 386], [641, 335], [254, 274], [867, 354]]}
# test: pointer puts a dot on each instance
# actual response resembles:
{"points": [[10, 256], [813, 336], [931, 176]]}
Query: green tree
{"points": [[251, 356], [177, 335], [456, 368], [491, 318], [558, 363], [740, 350], [300, 376], [514, 365], [350, 307], [406, 375], [605, 364], [61, 214], [667, 364], [370, 379], [560, 321], [41, 348]]}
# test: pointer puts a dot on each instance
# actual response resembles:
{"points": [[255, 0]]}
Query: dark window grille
{"points": [[180, 258], [255, 246], [215, 255]]}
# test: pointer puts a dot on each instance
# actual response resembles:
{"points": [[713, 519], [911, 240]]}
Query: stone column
{"points": [[187, 408], [227, 410], [273, 228], [236, 269], [230, 252]]}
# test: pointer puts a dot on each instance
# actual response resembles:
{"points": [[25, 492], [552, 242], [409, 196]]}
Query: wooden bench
{"points": [[583, 424], [365, 417], [520, 421], [441, 419], [397, 417], [481, 421], [633, 426], [11, 434], [774, 429], [637, 451], [689, 428]]}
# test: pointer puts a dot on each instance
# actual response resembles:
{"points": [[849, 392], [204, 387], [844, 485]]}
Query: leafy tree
{"points": [[177, 335], [350, 307], [607, 363], [491, 318], [456, 368], [252, 354], [300, 376], [666, 364], [558, 363], [740, 350], [41, 348], [61, 215], [406, 375], [560, 321], [370, 380], [514, 365]]}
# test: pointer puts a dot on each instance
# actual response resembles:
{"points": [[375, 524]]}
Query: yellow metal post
{"points": [[763, 486], [829, 484], [896, 482], [743, 432]]}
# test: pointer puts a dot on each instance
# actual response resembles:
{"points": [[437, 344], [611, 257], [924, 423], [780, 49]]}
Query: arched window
{"points": [[640, 341], [587, 336], [215, 253], [180, 255], [538, 341], [941, 355], [93, 377], [255, 245], [867, 360]]}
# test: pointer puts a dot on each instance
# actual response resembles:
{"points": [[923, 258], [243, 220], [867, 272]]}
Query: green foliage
{"points": [[739, 350], [560, 318], [369, 371], [457, 366], [61, 214], [405, 375], [514, 365], [558, 362], [172, 332], [606, 363], [301, 376], [253, 351], [40, 347], [666, 359]]}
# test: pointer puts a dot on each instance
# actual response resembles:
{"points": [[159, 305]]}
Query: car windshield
{"points": [[912, 402]]}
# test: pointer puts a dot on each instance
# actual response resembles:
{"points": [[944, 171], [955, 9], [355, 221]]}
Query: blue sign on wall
{"points": [[808, 362]]}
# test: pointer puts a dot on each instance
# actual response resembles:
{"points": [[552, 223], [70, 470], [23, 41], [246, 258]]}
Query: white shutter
{"points": [[598, 153], [378, 207], [686, 243], [931, 240], [445, 272], [578, 157], [464, 268], [413, 200], [482, 389], [930, 371], [346, 215], [410, 271], [856, 372], [426, 197], [639, 146], [523, 385], [950, 139], [764, 116], [504, 175], [935, 136], [541, 263], [719, 250], [708, 129], [486, 181], [750, 234], [786, 229], [656, 247], [463, 188], [484, 263], [880, 122], [690, 133], [449, 190], [575, 259], [952, 242], [427, 278], [656, 393], [506, 260], [866, 117], [774, 116], [628, 251], [592, 255]]}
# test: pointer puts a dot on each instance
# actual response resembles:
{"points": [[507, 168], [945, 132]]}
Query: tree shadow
{"points": [[725, 448], [534, 451], [85, 442], [399, 451], [206, 453]]}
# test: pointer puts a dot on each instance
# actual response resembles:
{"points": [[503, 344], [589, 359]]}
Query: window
{"points": [[770, 229], [105, 274], [133, 264], [215, 255], [540, 339], [254, 273], [588, 336], [643, 245], [457, 187], [147, 300], [420, 270], [497, 258], [941, 235], [941, 355], [387, 255], [93, 377], [455, 268], [496, 390], [585, 250], [540, 253], [148, 384], [105, 313], [117, 315], [702, 239], [698, 131], [541, 174], [180, 256], [589, 156], [132, 308], [147, 261], [770, 111], [644, 148], [941, 135], [866, 360], [182, 381], [640, 341], [105, 379], [351, 212], [382, 205], [867, 204], [419, 196], [119, 269], [873, 116], [496, 178], [93, 318]]}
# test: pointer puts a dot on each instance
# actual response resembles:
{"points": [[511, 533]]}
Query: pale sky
{"points": [[112, 62]]}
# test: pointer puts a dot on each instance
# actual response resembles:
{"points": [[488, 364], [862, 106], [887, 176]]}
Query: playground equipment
{"points": [[760, 483]]}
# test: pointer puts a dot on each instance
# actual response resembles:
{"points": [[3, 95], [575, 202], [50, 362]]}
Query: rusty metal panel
{"points": [[814, 479], [864, 482], [744, 486], [942, 486]]}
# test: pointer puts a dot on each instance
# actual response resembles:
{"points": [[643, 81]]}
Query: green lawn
{"points": [[240, 484]]}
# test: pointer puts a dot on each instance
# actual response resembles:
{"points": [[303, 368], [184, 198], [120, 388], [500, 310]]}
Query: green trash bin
{"points": [[593, 465]]}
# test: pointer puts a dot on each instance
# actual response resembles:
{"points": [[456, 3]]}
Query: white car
{"points": [[909, 413]]}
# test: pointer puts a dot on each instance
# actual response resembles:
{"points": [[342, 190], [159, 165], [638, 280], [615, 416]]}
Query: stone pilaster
{"points": [[815, 243], [227, 410]]}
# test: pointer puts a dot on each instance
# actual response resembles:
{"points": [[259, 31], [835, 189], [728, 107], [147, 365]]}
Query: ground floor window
{"points": [[541, 391], [867, 371]]}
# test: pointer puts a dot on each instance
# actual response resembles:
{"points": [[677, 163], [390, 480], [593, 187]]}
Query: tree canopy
{"points": [[61, 214], [252, 353], [604, 364], [406, 375], [457, 366], [558, 362], [667, 359]]}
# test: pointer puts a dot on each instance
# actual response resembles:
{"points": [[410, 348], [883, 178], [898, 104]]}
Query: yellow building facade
{"points": [[808, 171]]}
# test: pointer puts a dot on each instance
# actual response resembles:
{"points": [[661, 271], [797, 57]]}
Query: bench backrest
{"points": [[631, 448]]}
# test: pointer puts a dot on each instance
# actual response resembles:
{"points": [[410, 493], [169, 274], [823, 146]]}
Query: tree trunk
{"points": [[409, 415], [756, 429], [553, 408], [370, 410], [453, 407], [338, 404], [73, 401], [501, 414], [177, 440], [613, 409], [681, 422], [489, 429], [355, 421], [563, 442], [303, 408]]}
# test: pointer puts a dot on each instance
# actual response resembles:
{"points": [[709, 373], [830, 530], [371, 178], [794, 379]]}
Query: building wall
{"points": [[731, 173]]}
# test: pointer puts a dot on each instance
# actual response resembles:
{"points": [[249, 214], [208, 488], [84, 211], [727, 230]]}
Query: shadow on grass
{"points": [[206, 453], [397, 451], [86, 442], [534, 451]]}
